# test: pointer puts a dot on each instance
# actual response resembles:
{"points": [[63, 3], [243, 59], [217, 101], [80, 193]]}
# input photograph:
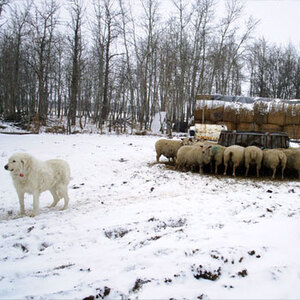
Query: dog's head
{"points": [[18, 163]]}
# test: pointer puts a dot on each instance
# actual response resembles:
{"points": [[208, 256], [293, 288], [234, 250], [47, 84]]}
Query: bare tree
{"points": [[43, 24], [76, 53]]}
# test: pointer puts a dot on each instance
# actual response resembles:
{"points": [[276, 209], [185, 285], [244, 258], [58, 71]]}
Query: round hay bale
{"points": [[198, 115], [292, 114], [245, 116], [216, 114], [277, 115], [270, 128], [260, 110], [229, 114], [246, 126], [293, 131]]}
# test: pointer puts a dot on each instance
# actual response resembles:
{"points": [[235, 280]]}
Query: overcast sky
{"points": [[280, 19]]}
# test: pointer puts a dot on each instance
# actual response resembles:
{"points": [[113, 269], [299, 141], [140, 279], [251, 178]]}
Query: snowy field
{"points": [[139, 230]]}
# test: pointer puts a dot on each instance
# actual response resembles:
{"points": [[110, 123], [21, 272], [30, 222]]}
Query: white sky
{"points": [[279, 19]]}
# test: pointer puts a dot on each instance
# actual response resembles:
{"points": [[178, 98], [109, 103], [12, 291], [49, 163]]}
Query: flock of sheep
{"points": [[189, 155]]}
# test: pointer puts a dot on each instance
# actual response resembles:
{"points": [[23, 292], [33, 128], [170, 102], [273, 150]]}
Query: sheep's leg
{"points": [[247, 170], [274, 173], [216, 168], [201, 170], [233, 172], [282, 173], [55, 198], [257, 170], [225, 170], [157, 157]]}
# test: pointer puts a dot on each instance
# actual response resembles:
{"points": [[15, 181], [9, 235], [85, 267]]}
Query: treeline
{"points": [[106, 64]]}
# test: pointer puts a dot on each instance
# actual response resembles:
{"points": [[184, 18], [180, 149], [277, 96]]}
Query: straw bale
{"points": [[245, 116], [246, 126], [198, 116], [293, 131], [260, 113], [292, 114], [270, 128], [204, 97], [216, 114], [277, 114], [229, 114]]}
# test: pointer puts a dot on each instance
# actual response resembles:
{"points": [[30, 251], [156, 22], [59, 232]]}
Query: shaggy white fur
{"points": [[33, 176]]}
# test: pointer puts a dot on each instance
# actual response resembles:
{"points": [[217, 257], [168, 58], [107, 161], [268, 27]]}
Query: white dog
{"points": [[33, 176]]}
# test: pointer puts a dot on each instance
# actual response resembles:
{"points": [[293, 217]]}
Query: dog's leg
{"points": [[64, 192], [55, 198], [36, 197], [21, 201]]}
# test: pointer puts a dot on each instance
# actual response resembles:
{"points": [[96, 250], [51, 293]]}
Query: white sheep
{"points": [[234, 154], [167, 148], [193, 156], [217, 155], [293, 159], [274, 158], [182, 157], [253, 155]]}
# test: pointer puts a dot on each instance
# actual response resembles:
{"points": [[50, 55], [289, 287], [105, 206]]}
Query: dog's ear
{"points": [[24, 163]]}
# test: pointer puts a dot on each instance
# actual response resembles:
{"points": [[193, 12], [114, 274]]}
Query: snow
{"points": [[137, 229]]}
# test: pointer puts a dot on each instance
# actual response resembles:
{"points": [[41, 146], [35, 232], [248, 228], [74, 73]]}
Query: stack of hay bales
{"points": [[263, 116], [292, 121]]}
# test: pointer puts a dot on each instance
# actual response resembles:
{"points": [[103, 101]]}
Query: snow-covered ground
{"points": [[136, 229]]}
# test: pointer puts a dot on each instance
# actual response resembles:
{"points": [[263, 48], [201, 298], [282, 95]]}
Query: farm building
{"points": [[249, 114]]}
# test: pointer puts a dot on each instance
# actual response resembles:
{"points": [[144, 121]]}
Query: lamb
{"points": [[253, 155], [293, 159], [168, 148], [274, 158], [193, 156], [235, 154]]}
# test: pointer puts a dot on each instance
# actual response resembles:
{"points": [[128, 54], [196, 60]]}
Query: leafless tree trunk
{"points": [[76, 49]]}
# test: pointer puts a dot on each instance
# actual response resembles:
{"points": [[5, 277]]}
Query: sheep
{"points": [[273, 158], [193, 156], [217, 154], [293, 159], [235, 154], [182, 157], [168, 148], [253, 155]]}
